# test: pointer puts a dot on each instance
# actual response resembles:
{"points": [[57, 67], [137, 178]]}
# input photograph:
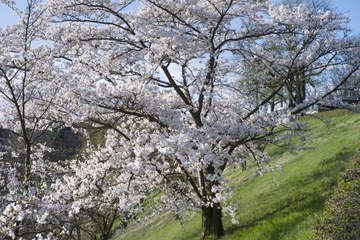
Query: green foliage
{"points": [[276, 205], [97, 136], [341, 218]]}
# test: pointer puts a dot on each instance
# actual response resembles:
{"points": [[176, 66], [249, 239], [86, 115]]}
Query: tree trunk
{"points": [[300, 89], [212, 221], [272, 105], [27, 166]]}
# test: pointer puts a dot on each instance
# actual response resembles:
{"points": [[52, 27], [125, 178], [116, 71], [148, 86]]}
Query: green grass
{"points": [[280, 205]]}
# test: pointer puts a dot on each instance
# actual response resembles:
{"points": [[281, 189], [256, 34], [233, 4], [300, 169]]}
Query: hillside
{"points": [[279, 205]]}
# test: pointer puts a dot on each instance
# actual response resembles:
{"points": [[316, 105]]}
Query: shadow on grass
{"points": [[338, 161], [294, 207]]}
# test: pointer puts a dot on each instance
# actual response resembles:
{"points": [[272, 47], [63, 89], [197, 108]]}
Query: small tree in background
{"points": [[28, 87], [298, 66]]}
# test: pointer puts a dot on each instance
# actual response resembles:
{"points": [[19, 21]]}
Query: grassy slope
{"points": [[281, 205]]}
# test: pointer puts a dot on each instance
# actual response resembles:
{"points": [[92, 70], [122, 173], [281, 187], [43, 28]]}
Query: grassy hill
{"points": [[280, 205]]}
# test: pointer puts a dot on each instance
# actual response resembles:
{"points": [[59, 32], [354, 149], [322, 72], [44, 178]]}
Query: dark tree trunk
{"points": [[291, 103], [300, 89], [291, 97], [302, 92], [272, 106], [212, 221], [27, 164]]}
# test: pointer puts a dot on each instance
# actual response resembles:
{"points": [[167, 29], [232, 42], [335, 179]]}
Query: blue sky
{"points": [[350, 7]]}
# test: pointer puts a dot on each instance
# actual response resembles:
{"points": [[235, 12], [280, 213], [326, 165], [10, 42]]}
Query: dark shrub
{"points": [[341, 217]]}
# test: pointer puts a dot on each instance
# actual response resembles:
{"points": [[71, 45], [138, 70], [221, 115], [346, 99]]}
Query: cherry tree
{"points": [[170, 83], [297, 66], [163, 77], [28, 86], [40, 198]]}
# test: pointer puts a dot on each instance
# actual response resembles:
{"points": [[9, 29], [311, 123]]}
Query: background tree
{"points": [[25, 65], [296, 66]]}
